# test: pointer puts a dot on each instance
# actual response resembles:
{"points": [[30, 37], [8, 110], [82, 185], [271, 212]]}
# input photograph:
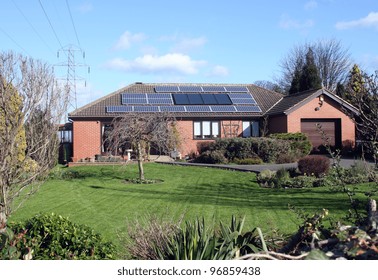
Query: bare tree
{"points": [[141, 131], [331, 59], [31, 107]]}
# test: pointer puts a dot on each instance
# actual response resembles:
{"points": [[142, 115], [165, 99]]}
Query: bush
{"points": [[300, 182], [149, 239], [52, 237], [212, 157], [268, 149], [300, 145], [266, 178], [249, 161], [314, 165]]}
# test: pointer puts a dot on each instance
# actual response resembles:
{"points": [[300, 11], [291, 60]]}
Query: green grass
{"points": [[103, 201]]}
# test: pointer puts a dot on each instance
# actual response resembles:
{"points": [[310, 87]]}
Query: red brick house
{"points": [[208, 111]]}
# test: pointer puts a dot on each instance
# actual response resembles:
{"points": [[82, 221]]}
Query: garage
{"points": [[330, 127]]}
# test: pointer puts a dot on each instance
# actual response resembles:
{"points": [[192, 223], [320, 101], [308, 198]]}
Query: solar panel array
{"points": [[146, 98], [187, 98], [182, 109], [201, 89]]}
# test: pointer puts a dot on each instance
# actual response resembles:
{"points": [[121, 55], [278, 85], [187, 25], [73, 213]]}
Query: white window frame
{"points": [[206, 129]]}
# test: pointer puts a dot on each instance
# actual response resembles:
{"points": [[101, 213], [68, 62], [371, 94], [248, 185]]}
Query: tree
{"points": [[27, 86], [361, 90], [269, 86], [331, 59], [141, 132], [309, 77]]}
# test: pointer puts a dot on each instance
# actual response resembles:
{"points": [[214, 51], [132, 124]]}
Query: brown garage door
{"points": [[330, 127]]}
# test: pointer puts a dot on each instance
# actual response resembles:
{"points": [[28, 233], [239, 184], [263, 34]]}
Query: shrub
{"points": [[314, 165], [300, 182], [286, 158], [266, 178], [149, 239], [212, 157], [52, 237], [300, 145], [249, 161]]}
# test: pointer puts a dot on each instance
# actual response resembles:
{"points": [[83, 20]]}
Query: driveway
{"points": [[260, 167]]}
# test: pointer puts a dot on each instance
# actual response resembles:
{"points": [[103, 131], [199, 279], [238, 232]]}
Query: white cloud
{"points": [[188, 44], [176, 63], [288, 23], [219, 71], [127, 39], [310, 5], [371, 20]]}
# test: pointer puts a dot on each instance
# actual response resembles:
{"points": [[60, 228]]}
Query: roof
{"points": [[270, 102], [292, 102], [265, 99]]}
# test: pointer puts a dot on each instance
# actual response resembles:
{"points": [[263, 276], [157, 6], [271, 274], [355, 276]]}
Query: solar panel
{"points": [[198, 109], [248, 108], [223, 99], [134, 98], [172, 109], [195, 99], [243, 101], [209, 99], [190, 89], [239, 95], [236, 89], [160, 101], [146, 109], [213, 89], [166, 89], [180, 98], [223, 108], [158, 95], [118, 109]]}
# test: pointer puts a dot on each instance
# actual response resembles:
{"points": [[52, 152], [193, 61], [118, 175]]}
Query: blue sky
{"points": [[239, 41]]}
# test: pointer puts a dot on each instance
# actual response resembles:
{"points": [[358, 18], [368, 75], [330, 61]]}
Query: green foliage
{"points": [[212, 157], [249, 161], [54, 237], [267, 149], [300, 145], [196, 241], [314, 165], [309, 78], [8, 246], [266, 178]]}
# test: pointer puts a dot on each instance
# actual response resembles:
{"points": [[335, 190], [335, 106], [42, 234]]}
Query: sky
{"points": [[196, 41]]}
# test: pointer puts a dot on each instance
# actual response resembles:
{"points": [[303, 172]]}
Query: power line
{"points": [[36, 32], [73, 24], [14, 41], [48, 19]]}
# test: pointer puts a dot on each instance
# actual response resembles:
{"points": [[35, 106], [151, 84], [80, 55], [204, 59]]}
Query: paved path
{"points": [[260, 167]]}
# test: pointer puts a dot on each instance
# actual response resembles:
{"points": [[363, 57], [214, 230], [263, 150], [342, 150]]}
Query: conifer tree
{"points": [[309, 78]]}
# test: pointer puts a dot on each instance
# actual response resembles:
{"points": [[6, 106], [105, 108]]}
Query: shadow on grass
{"points": [[239, 195]]}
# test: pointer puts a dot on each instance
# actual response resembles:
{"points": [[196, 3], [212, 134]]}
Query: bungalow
{"points": [[208, 111]]}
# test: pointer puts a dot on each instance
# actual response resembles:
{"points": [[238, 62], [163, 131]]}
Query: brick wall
{"points": [[329, 110], [190, 145], [86, 139]]}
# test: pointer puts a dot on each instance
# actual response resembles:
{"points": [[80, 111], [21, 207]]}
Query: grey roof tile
{"points": [[97, 109]]}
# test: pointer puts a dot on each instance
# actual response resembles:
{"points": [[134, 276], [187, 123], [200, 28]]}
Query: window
{"points": [[206, 129], [251, 129]]}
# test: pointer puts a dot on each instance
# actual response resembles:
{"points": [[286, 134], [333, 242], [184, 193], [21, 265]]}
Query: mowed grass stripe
{"points": [[102, 200]]}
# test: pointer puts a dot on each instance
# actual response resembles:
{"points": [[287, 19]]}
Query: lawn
{"points": [[101, 199]]}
